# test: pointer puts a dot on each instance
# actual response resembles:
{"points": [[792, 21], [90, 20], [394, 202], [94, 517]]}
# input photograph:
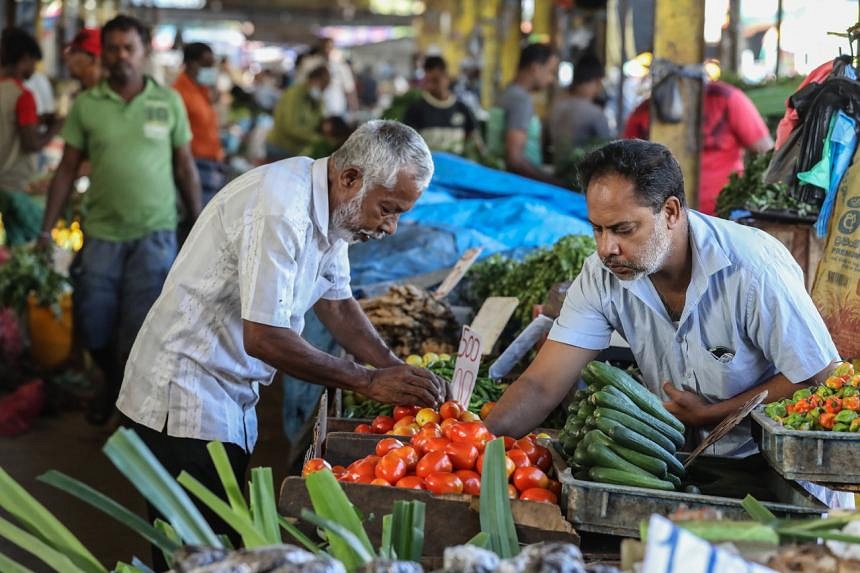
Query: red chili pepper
{"points": [[827, 420], [833, 405], [802, 406], [851, 403]]}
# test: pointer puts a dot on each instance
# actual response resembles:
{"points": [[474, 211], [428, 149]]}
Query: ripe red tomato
{"points": [[402, 411], [450, 409], [382, 424], [433, 431], [512, 491], [468, 416], [363, 429], [385, 445], [509, 442], [446, 426], [475, 433], [509, 465], [555, 487], [434, 427], [427, 416], [543, 458], [404, 421], [314, 465], [436, 444], [530, 478], [380, 481], [471, 481], [463, 456], [406, 430], [362, 471], [338, 471], [392, 468], [519, 457], [528, 446], [539, 494], [409, 455], [411, 482], [485, 410], [443, 482], [433, 462]]}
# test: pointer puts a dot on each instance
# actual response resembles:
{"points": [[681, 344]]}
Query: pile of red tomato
{"points": [[408, 420], [445, 455]]}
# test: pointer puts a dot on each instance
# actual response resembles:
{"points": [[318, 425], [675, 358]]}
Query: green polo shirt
{"points": [[130, 146]]}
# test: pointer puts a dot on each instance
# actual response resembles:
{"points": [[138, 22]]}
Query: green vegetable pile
{"points": [[529, 279], [30, 270], [486, 390], [748, 191], [833, 406], [618, 432]]}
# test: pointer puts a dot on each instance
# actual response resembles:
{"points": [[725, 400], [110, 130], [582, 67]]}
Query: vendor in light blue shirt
{"points": [[714, 312]]}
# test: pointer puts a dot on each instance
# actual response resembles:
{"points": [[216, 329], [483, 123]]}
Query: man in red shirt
{"points": [[83, 57], [196, 84], [731, 125], [20, 136]]}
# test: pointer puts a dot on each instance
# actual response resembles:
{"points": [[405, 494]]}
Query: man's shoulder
{"points": [[286, 184], [747, 248]]}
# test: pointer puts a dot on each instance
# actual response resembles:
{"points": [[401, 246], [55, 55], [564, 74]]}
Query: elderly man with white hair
{"points": [[270, 246]]}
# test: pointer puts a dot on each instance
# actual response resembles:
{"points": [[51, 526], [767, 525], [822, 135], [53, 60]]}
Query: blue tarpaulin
{"points": [[469, 205]]}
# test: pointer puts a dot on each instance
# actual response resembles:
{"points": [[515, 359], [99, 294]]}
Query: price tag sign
{"points": [[466, 367]]}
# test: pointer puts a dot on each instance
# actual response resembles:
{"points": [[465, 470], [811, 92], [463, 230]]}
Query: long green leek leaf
{"points": [[8, 565], [481, 539], [263, 506], [131, 456], [297, 534], [417, 541], [171, 534], [757, 510], [385, 549], [42, 523], [336, 530], [251, 537], [496, 517], [228, 478], [330, 502], [57, 560], [105, 504]]}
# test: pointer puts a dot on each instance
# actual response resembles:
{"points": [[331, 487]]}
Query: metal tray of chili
{"points": [[812, 455]]}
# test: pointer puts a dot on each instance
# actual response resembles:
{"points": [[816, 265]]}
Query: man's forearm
{"points": [[188, 182], [351, 328], [58, 196], [290, 353], [778, 387], [523, 406]]}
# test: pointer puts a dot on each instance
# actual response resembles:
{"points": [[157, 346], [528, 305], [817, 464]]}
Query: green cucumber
{"points": [[637, 426], [592, 388], [620, 477], [580, 455], [651, 465], [590, 378], [580, 395], [676, 481], [611, 397], [635, 441], [640, 395], [603, 456]]}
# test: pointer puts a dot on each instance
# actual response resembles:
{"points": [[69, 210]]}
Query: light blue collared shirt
{"points": [[746, 295]]}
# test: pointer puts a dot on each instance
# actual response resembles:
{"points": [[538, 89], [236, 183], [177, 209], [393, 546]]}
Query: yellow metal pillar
{"points": [[490, 50], [679, 37], [455, 49], [511, 15], [542, 23]]}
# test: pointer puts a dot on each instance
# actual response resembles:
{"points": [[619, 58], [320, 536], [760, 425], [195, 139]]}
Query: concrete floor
{"points": [[69, 444]]}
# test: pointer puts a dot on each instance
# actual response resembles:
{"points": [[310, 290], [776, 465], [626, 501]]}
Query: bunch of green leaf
{"points": [[748, 191], [567, 163], [30, 270], [400, 103], [530, 279]]}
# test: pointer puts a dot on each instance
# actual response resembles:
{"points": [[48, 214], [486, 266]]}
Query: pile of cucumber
{"points": [[618, 432]]}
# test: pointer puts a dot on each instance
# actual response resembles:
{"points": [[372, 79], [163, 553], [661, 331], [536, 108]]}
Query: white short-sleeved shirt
{"points": [[746, 297], [260, 251]]}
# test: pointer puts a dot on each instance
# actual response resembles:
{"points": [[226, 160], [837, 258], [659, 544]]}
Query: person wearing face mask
{"points": [[268, 248], [714, 312], [196, 85], [298, 116]]}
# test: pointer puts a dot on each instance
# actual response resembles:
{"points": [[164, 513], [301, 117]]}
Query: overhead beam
{"points": [[679, 36]]}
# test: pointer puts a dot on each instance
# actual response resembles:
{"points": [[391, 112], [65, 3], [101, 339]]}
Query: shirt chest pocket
{"points": [[156, 121], [720, 371]]}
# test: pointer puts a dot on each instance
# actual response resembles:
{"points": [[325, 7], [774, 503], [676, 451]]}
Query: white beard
{"points": [[657, 250], [346, 221]]}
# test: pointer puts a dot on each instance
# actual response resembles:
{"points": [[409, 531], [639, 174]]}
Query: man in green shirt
{"points": [[298, 116], [136, 136]]}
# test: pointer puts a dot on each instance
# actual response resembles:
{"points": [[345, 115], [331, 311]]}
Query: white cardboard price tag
{"points": [[466, 367]]}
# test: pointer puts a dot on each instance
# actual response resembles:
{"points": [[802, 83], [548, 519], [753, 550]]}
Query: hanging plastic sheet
{"points": [[468, 205], [837, 153]]}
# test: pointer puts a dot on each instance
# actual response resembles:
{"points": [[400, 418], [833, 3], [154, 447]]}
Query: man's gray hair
{"points": [[383, 148]]}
